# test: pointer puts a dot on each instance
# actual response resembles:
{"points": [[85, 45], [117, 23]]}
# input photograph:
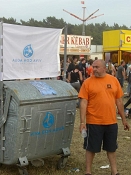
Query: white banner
{"points": [[30, 52]]}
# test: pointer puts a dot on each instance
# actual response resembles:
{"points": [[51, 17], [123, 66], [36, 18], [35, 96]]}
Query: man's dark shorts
{"points": [[98, 135]]}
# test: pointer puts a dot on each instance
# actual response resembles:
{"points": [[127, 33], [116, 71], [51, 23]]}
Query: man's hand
{"points": [[82, 126], [126, 125]]}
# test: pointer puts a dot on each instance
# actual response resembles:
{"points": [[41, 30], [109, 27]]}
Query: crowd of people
{"points": [[82, 66], [99, 87], [122, 71], [77, 70]]}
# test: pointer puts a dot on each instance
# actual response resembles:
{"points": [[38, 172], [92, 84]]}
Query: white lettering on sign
{"points": [[128, 39], [76, 41]]}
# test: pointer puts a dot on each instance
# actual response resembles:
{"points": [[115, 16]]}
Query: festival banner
{"points": [[30, 52]]}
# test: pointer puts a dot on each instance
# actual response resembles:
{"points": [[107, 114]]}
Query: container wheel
{"points": [[23, 171], [62, 162]]}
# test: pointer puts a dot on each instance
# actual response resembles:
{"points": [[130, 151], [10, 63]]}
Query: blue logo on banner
{"points": [[28, 51], [48, 120]]}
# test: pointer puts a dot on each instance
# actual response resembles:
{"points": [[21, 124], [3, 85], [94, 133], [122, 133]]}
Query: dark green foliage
{"points": [[93, 30]]}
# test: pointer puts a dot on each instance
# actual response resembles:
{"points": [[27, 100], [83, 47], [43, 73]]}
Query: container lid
{"points": [[30, 90]]}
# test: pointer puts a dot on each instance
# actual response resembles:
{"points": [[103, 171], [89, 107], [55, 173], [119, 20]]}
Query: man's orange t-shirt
{"points": [[101, 94]]}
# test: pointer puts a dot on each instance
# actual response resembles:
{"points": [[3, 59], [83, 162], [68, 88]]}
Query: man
{"points": [[129, 81], [82, 67], [72, 62], [96, 58], [100, 94], [121, 73], [110, 68], [75, 78], [90, 68]]}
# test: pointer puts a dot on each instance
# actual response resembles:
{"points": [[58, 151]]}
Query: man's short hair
{"points": [[74, 57], [77, 66], [90, 61], [122, 61], [83, 59]]}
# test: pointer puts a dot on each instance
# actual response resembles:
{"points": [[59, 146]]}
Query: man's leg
{"points": [[112, 159], [89, 161]]}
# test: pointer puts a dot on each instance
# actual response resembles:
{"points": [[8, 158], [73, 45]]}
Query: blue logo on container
{"points": [[28, 51], [48, 120]]}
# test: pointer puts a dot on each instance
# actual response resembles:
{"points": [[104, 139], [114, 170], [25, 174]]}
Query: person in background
{"points": [[128, 114], [110, 68], [129, 81], [75, 78], [99, 95], [89, 70], [82, 67], [127, 68], [87, 65], [116, 66], [121, 73], [68, 61], [75, 59], [71, 66], [127, 110]]}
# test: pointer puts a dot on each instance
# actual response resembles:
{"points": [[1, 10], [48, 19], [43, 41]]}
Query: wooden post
{"points": [[119, 57]]}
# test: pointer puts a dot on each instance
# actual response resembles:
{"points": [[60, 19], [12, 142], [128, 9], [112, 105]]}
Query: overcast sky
{"points": [[115, 11]]}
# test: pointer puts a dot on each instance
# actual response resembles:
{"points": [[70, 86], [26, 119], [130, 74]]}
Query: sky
{"points": [[115, 11]]}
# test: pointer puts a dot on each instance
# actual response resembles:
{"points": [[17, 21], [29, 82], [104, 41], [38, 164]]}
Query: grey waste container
{"points": [[36, 125]]}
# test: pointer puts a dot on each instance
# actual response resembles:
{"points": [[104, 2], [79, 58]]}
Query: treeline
{"points": [[93, 30]]}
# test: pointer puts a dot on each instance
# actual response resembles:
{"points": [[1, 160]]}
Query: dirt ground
{"points": [[76, 161]]}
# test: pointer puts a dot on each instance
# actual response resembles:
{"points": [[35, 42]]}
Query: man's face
{"points": [[99, 69], [75, 60], [83, 62], [124, 63], [68, 60]]}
